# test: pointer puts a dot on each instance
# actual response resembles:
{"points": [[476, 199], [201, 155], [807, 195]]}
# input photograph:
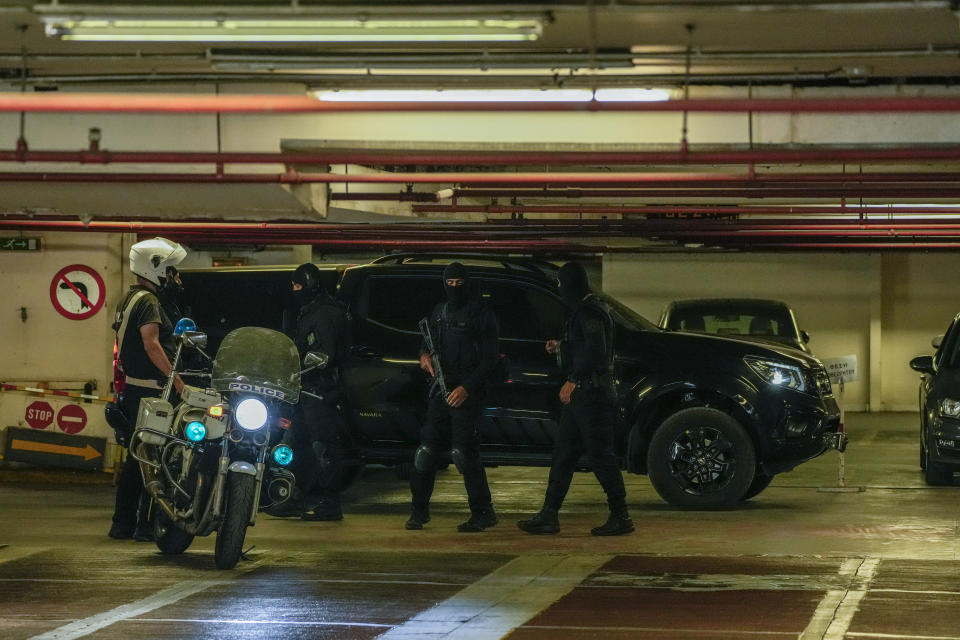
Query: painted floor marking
{"points": [[663, 632], [285, 623], [503, 600], [833, 615], [162, 598], [897, 636]]}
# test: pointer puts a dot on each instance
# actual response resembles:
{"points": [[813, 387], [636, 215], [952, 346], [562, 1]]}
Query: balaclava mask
{"points": [[457, 296], [572, 279], [307, 276]]}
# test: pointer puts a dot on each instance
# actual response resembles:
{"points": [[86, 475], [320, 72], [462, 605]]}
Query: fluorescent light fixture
{"points": [[493, 95], [169, 29]]}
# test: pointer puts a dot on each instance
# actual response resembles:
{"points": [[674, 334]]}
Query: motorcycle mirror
{"points": [[195, 338], [183, 326], [315, 360]]}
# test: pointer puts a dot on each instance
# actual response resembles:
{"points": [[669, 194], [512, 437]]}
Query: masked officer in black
{"points": [[466, 335], [589, 408], [322, 325]]}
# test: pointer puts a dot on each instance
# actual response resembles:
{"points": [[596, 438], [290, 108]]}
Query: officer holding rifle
{"points": [[460, 351]]}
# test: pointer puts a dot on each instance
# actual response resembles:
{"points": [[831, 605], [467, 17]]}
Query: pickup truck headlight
{"points": [[778, 373], [950, 408]]}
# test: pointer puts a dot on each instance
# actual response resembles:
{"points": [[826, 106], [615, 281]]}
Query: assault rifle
{"points": [[434, 356]]}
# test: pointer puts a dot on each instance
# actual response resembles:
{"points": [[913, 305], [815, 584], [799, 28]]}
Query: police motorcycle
{"points": [[214, 460]]}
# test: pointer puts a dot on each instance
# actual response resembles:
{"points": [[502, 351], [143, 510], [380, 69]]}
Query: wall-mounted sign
{"points": [[54, 449], [39, 414], [19, 244], [841, 369], [72, 419], [77, 292]]}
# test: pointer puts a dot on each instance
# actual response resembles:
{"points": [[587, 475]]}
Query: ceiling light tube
{"points": [[493, 95], [118, 29]]}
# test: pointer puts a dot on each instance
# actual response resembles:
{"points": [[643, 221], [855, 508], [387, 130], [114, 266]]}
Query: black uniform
{"points": [[586, 424], [467, 337], [143, 380], [323, 325]]}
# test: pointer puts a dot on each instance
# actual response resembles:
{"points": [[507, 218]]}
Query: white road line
{"points": [[897, 636], [285, 623], [663, 632], [833, 615], [84, 627], [503, 600]]}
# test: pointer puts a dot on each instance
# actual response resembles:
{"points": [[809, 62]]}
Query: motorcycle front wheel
{"points": [[233, 529]]}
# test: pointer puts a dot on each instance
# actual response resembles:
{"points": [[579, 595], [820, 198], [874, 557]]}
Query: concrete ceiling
{"points": [[839, 42]]}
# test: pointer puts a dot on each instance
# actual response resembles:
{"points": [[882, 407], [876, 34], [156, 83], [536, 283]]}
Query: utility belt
{"points": [[142, 382], [603, 381]]}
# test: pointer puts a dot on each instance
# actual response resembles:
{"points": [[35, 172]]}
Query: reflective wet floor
{"points": [[803, 559]]}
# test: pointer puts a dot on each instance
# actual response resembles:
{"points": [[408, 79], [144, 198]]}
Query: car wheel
{"points": [[937, 475], [760, 482], [701, 457]]}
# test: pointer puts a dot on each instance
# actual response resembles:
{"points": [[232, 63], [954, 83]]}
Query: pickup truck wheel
{"points": [[701, 457], [760, 482]]}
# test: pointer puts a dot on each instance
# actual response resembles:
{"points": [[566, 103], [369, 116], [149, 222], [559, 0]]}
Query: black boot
{"points": [[547, 522], [617, 524], [479, 520], [327, 510], [418, 518]]}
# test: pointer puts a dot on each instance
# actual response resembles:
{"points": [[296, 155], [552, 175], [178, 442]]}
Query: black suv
{"points": [[940, 407], [710, 420]]}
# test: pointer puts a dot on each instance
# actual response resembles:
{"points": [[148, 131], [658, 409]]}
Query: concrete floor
{"points": [[797, 561]]}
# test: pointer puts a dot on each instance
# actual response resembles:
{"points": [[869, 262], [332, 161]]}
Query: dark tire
{"points": [[170, 539], [233, 529], [938, 475], [701, 458], [760, 482]]}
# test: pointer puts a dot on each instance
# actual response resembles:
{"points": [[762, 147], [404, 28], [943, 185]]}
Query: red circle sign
{"points": [[39, 414], [77, 292], [72, 419]]}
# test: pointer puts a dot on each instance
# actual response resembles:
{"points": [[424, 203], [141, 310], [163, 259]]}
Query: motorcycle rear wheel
{"points": [[233, 529], [170, 539]]}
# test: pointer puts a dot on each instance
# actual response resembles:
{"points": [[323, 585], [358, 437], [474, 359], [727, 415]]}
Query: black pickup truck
{"points": [[710, 420]]}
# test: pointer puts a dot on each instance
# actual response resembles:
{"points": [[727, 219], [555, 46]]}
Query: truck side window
{"points": [[524, 312]]}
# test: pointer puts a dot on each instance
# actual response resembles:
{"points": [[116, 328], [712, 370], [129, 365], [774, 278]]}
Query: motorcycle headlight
{"points": [[950, 408], [251, 414], [778, 373]]}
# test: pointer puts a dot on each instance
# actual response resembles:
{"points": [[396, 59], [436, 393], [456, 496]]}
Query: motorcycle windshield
{"points": [[259, 361]]}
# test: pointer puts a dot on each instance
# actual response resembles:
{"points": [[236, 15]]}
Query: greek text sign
{"points": [[844, 367]]}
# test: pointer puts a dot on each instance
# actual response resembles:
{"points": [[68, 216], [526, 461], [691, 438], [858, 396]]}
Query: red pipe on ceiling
{"points": [[686, 210], [55, 102], [494, 180], [831, 155]]}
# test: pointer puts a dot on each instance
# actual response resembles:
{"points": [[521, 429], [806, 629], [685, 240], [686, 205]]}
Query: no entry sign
{"points": [[72, 419], [39, 414], [77, 292]]}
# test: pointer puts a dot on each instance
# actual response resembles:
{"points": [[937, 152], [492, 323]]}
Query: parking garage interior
{"points": [[800, 151]]}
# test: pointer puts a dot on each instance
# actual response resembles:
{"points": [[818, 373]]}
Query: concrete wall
{"points": [[884, 309]]}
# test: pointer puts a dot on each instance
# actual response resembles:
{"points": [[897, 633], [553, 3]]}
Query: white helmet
{"points": [[149, 259]]}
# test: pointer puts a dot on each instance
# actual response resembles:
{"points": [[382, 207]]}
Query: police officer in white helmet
{"points": [[145, 346]]}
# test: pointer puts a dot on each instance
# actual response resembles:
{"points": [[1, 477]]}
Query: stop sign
{"points": [[72, 419], [39, 414]]}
